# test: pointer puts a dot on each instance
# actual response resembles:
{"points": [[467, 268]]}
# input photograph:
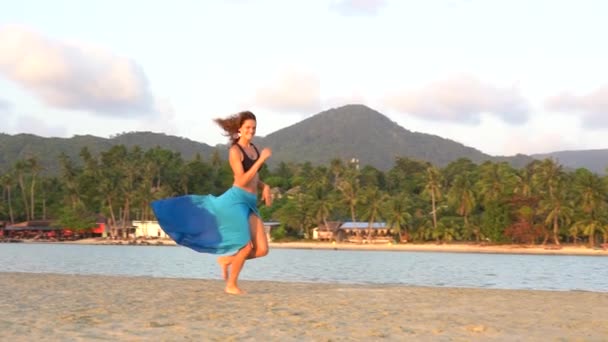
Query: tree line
{"points": [[490, 202]]}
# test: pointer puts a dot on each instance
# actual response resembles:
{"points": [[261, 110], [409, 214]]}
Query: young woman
{"points": [[229, 224]]}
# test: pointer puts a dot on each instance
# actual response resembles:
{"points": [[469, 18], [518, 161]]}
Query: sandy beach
{"points": [[73, 307]]}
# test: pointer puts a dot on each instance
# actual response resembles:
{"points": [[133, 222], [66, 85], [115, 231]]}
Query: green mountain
{"points": [[594, 160], [357, 131], [47, 150], [352, 131]]}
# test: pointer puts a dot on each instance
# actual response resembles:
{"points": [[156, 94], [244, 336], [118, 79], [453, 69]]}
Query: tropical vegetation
{"points": [[491, 202]]}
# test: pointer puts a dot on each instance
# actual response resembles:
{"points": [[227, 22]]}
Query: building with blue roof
{"points": [[359, 232]]}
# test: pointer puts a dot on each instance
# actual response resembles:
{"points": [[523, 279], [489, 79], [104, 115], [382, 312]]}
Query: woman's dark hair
{"points": [[233, 123]]}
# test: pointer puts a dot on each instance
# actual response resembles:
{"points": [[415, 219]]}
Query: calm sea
{"points": [[497, 271]]}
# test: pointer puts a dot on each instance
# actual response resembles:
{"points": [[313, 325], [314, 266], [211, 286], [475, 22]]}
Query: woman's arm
{"points": [[242, 178], [266, 195], [261, 184]]}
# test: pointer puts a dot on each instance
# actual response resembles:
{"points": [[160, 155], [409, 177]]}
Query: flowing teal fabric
{"points": [[206, 223]]}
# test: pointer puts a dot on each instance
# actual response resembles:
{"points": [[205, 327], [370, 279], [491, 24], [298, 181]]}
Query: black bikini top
{"points": [[248, 162]]}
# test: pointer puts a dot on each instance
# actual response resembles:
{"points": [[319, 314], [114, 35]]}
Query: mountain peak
{"points": [[358, 131], [353, 110]]}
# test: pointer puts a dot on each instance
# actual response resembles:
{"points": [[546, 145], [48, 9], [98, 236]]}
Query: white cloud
{"points": [[73, 75], [164, 121], [357, 7], [33, 125], [523, 142], [294, 91], [462, 99], [5, 107], [593, 107]]}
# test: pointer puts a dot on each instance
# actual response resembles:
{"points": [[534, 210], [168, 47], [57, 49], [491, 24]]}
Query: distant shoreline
{"points": [[450, 248], [410, 247]]}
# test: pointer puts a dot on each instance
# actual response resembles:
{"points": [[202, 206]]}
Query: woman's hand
{"points": [[266, 153], [266, 195]]}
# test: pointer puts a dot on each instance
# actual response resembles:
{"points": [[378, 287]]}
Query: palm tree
{"points": [[433, 189], [550, 177], [591, 193], [425, 230], [375, 201], [448, 229], [349, 187], [21, 168], [494, 182], [296, 213], [161, 159], [322, 205], [397, 213], [44, 185], [590, 227], [558, 211], [461, 197], [318, 180], [523, 182], [7, 184], [184, 178], [112, 182], [128, 183], [337, 168], [69, 175], [216, 159], [88, 180], [284, 172], [108, 187], [34, 167], [145, 189]]}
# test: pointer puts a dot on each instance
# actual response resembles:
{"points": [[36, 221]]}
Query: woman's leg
{"points": [[237, 263], [224, 262], [259, 248], [258, 237]]}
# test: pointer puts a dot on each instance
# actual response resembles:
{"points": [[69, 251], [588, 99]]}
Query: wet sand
{"points": [[74, 307]]}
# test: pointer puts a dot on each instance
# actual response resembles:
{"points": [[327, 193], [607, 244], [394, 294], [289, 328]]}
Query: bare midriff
{"points": [[252, 186]]}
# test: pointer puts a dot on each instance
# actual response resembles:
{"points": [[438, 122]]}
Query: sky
{"points": [[504, 77]]}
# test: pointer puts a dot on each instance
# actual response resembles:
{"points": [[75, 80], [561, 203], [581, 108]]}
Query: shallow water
{"points": [[473, 270]]}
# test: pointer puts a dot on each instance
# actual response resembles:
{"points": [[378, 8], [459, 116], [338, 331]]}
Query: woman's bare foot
{"points": [[234, 290], [224, 262]]}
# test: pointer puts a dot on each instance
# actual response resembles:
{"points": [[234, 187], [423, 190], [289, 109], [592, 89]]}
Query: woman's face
{"points": [[247, 130]]}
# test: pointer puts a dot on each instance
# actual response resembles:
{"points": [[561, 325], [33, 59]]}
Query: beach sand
{"points": [[75, 307]]}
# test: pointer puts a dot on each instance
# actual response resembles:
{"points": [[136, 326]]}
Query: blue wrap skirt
{"points": [[206, 223]]}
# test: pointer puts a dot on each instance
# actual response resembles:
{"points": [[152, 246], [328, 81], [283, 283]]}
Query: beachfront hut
{"points": [[124, 230], [35, 229], [363, 232], [149, 229], [360, 232], [46, 229], [327, 232]]}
